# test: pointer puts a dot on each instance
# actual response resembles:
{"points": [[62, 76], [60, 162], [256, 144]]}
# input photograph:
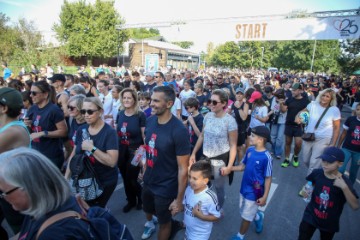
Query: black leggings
{"points": [[130, 174], [306, 231]]}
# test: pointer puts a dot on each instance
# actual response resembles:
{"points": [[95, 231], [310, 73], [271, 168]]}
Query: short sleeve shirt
{"points": [[352, 138], [327, 202], [164, 142], [43, 119], [325, 128], [216, 134], [105, 139], [129, 129], [294, 107], [258, 167]]}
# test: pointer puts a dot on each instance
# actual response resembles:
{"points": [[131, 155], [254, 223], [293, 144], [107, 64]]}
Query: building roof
{"points": [[170, 47]]}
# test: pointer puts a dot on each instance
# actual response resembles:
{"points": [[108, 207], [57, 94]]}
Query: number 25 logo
{"points": [[346, 25]]}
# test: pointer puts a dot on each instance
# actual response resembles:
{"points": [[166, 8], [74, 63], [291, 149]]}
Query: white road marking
{"points": [[118, 187], [271, 194]]}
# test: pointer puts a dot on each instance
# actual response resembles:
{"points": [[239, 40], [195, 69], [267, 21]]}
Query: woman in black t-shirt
{"points": [[47, 123], [130, 127], [102, 148]]}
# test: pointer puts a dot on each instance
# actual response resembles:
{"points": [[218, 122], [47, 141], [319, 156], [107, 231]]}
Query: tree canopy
{"points": [[90, 29], [294, 55]]}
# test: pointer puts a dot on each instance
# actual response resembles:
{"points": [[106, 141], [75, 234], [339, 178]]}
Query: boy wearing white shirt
{"points": [[200, 203]]}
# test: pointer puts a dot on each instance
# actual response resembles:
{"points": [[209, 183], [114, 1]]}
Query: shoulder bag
{"points": [[310, 137]]}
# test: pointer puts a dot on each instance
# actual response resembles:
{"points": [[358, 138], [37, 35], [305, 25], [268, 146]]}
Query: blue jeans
{"points": [[354, 167], [277, 138]]}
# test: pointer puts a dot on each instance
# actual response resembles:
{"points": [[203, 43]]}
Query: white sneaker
{"points": [[148, 231]]}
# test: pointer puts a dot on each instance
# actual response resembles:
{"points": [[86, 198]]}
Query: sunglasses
{"points": [[213, 102], [88, 111], [2, 195], [34, 93], [71, 108]]}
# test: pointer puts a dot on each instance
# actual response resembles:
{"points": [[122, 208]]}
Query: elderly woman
{"points": [[130, 127], [47, 123], [103, 146], [326, 134], [36, 188], [74, 106]]}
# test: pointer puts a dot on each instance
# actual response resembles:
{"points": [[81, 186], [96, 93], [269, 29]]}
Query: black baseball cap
{"points": [[332, 154], [262, 131]]}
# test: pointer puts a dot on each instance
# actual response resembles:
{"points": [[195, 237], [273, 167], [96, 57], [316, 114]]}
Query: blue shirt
{"points": [[7, 73], [258, 167]]}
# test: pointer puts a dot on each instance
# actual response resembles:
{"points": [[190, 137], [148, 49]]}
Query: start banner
{"points": [[299, 29]]}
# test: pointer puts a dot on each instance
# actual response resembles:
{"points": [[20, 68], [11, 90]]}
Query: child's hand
{"points": [[261, 202], [339, 182], [197, 210]]}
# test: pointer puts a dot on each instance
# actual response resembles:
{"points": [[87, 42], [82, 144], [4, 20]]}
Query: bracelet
{"points": [[93, 150]]}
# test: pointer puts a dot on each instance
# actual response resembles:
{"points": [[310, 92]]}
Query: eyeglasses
{"points": [[88, 111], [71, 108], [3, 195], [213, 102], [34, 93]]}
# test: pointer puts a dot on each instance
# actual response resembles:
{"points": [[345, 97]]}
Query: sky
{"points": [[45, 13]]}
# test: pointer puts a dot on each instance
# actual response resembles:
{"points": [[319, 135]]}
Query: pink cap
{"points": [[255, 96]]}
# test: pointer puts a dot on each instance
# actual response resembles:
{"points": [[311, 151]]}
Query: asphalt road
{"points": [[283, 212]]}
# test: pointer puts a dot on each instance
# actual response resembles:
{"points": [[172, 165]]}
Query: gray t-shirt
{"points": [[216, 137]]}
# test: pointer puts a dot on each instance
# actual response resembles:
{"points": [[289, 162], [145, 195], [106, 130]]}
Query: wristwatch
{"points": [[93, 150], [46, 133]]}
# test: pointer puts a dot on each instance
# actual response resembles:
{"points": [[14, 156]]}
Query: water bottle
{"points": [[308, 189], [86, 136]]}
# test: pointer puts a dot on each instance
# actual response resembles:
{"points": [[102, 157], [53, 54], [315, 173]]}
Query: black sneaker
{"points": [[128, 207]]}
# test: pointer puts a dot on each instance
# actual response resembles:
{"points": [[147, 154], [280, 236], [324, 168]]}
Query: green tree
{"points": [[142, 33], [90, 30], [184, 44], [350, 57], [226, 55]]}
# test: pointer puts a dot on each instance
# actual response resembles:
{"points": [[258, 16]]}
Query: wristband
{"points": [[93, 150]]}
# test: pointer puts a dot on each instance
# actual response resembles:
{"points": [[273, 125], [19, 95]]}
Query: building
{"points": [[169, 55]]}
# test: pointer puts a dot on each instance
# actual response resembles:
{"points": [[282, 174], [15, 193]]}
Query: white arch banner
{"points": [[299, 29]]}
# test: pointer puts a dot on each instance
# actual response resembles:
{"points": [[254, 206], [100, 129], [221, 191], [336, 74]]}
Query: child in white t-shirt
{"points": [[200, 203]]}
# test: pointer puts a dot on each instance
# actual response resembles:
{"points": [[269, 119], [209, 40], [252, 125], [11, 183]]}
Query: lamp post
{"points": [[262, 56], [118, 48]]}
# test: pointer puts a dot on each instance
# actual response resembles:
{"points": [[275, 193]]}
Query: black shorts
{"points": [[241, 138], [156, 205], [293, 131]]}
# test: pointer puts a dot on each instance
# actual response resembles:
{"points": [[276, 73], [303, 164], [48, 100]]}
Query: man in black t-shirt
{"points": [[293, 129], [167, 158]]}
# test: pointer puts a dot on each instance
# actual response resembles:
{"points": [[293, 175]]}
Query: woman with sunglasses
{"points": [[219, 141], [74, 106], [130, 127], [103, 146], [47, 123]]}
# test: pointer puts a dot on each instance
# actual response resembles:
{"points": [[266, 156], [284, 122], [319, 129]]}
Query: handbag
{"points": [[83, 180], [310, 137]]}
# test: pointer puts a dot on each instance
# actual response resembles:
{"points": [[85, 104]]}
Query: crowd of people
{"points": [[197, 129]]}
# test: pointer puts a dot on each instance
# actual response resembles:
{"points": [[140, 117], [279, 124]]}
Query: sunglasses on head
{"points": [[213, 102], [71, 108], [88, 111]]}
